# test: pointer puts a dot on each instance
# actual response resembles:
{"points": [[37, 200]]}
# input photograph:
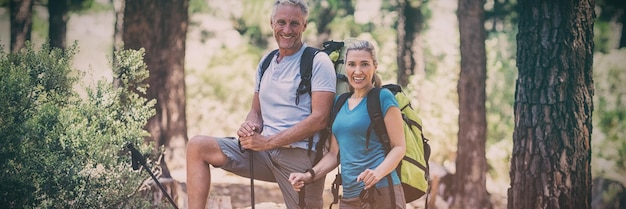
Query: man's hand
{"points": [[256, 142], [248, 129]]}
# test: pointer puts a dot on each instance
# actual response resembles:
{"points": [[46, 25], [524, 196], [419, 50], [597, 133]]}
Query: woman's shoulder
{"points": [[386, 93], [387, 98]]}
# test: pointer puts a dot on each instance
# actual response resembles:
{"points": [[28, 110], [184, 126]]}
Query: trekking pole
{"points": [[136, 157], [251, 177]]}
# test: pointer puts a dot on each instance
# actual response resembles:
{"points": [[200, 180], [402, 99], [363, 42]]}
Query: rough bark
{"points": [[471, 164], [57, 29], [21, 22], [550, 165], [161, 27]]}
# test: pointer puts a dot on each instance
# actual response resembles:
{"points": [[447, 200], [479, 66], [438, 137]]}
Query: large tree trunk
{"points": [[57, 29], [21, 22], [409, 27], [471, 164], [161, 27], [550, 166]]}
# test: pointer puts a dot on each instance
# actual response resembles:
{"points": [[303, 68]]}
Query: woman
{"points": [[364, 168]]}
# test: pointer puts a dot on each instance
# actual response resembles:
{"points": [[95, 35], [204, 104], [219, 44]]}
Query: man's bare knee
{"points": [[205, 148]]}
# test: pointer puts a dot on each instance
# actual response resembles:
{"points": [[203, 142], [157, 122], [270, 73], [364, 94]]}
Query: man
{"points": [[277, 128]]}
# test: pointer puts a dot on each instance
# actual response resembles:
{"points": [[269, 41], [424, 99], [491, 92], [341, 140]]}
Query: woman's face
{"points": [[360, 69]]}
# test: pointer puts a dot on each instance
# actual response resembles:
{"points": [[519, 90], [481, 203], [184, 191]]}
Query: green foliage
{"points": [[605, 36], [323, 12], [501, 16], [609, 116], [344, 27], [88, 6], [501, 74], [63, 151], [221, 94], [198, 6], [79, 6], [252, 21], [608, 13]]}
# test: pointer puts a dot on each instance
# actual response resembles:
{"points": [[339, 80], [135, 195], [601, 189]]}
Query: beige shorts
{"points": [[275, 166]]}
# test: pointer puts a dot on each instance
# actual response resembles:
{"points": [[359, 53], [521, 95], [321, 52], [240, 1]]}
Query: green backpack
{"points": [[336, 50], [413, 169]]}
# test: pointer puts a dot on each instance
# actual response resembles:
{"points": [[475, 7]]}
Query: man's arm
{"points": [[254, 121], [321, 102]]}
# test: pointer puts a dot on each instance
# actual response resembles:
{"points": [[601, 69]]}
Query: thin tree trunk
{"points": [[118, 30], [118, 6], [161, 27], [471, 164], [21, 22], [57, 30], [409, 28], [622, 40], [550, 166]]}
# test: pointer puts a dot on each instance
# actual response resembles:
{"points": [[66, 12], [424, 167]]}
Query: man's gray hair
{"points": [[298, 3]]}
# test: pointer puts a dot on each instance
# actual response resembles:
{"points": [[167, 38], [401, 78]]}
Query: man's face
{"points": [[288, 24]]}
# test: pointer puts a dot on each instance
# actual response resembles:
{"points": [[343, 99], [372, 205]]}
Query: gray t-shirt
{"points": [[277, 92]]}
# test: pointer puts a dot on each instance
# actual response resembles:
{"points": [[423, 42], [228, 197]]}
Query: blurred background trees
{"points": [[469, 189], [204, 71]]}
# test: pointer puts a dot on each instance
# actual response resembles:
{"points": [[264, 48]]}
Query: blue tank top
{"points": [[350, 129]]}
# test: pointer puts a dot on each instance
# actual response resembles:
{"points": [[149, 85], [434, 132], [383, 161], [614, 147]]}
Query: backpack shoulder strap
{"points": [[267, 61], [337, 106], [306, 66], [378, 124], [333, 114], [306, 72], [306, 62], [376, 117], [328, 131]]}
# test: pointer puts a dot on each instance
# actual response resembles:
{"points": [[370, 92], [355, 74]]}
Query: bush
{"points": [[63, 150]]}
